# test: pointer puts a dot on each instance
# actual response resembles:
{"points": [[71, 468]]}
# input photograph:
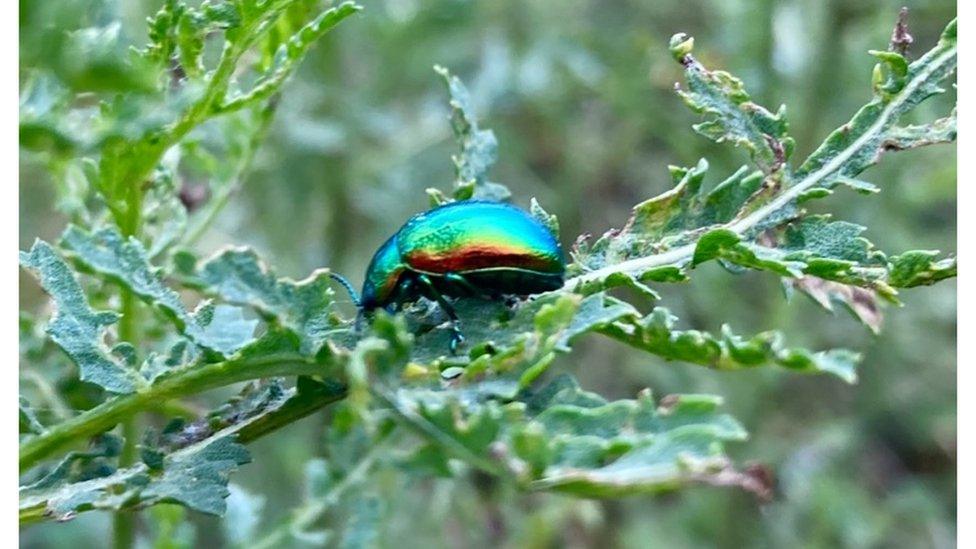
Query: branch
{"points": [[178, 385]]}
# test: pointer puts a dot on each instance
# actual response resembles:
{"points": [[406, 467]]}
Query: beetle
{"points": [[460, 249]]}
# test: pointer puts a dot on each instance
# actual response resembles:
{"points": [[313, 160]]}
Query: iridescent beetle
{"points": [[466, 248]]}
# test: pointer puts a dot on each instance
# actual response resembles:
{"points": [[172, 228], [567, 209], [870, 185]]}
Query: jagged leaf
{"points": [[75, 327], [223, 327], [656, 334], [861, 141], [547, 219], [239, 276], [180, 354], [942, 130], [732, 116], [732, 222], [920, 268], [125, 262], [669, 220], [195, 476], [288, 55], [513, 346], [563, 438], [834, 251], [188, 463], [479, 148]]}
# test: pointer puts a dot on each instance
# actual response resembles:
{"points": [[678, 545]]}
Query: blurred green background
{"points": [[579, 94]]}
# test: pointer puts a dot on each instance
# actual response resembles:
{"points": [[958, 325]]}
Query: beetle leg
{"points": [[468, 286], [463, 282], [456, 336], [405, 288]]}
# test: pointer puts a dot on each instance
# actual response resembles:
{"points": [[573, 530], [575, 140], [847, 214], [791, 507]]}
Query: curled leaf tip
{"points": [[681, 45]]}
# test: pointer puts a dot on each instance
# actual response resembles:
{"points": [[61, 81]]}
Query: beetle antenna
{"points": [[345, 284]]}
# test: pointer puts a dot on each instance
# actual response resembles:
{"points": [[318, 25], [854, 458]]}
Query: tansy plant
{"points": [[149, 323]]}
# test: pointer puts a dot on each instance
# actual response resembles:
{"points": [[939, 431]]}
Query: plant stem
{"points": [[190, 381], [891, 110], [299, 404], [150, 150], [130, 218], [123, 529], [124, 522]]}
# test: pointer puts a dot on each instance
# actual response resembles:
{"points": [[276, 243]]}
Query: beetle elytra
{"points": [[465, 248]]}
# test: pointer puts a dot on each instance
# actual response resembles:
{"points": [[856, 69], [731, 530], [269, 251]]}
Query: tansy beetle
{"points": [[465, 248]]}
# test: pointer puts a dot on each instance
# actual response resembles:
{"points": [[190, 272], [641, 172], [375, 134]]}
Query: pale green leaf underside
{"points": [[195, 476], [125, 262], [75, 327], [238, 276]]}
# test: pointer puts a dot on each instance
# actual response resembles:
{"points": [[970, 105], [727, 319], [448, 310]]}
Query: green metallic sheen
{"points": [[465, 248], [382, 275]]}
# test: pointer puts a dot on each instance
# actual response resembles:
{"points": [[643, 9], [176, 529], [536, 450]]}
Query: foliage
{"points": [[119, 277]]}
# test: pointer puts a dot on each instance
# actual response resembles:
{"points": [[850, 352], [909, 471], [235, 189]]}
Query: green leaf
{"points": [[727, 245], [161, 30], [286, 58], [688, 225], [75, 327], [42, 128], [195, 476], [95, 59], [547, 219], [180, 354], [565, 439], [187, 464], [732, 116], [859, 143], [125, 262], [238, 276], [638, 446], [516, 346], [670, 220], [222, 327], [920, 268], [479, 148], [831, 251], [656, 334], [900, 138]]}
